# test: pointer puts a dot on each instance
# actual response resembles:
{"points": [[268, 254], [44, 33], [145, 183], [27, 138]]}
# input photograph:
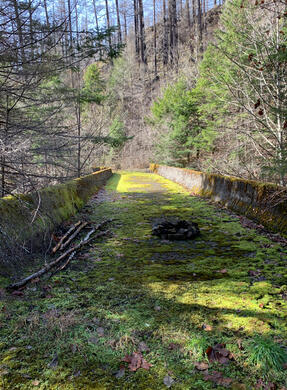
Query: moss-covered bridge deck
{"points": [[168, 301]]}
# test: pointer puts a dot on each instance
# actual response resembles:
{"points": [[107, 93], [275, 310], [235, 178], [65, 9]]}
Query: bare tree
{"points": [[142, 33], [173, 32], [118, 22]]}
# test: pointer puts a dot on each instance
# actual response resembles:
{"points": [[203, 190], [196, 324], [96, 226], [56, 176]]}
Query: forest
{"points": [[119, 269], [194, 83]]}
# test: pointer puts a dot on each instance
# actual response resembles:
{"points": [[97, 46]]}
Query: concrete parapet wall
{"points": [[265, 203], [25, 220]]}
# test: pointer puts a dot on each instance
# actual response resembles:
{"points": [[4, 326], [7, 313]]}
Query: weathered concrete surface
{"points": [[264, 202], [25, 219]]}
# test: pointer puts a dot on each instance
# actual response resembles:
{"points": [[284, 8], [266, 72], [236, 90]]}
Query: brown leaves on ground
{"points": [[218, 353], [218, 378], [267, 386], [136, 361]]}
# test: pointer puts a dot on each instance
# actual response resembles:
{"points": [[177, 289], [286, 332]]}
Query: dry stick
{"points": [[67, 262], [65, 236], [89, 234], [63, 246], [97, 227], [47, 268], [73, 254]]}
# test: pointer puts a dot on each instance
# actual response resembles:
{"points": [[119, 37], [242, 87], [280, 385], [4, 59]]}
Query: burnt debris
{"points": [[175, 229]]}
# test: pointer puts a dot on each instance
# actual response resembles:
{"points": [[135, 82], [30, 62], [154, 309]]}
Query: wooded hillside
{"points": [[124, 82]]}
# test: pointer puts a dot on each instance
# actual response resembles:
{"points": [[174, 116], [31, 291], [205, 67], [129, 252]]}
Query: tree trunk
{"points": [[47, 15], [19, 31], [96, 15], [31, 29], [125, 25], [165, 35], [188, 14], [3, 158], [154, 39], [119, 22], [108, 22], [142, 33], [173, 33], [78, 113], [199, 21], [77, 22], [70, 23], [193, 11], [136, 26]]}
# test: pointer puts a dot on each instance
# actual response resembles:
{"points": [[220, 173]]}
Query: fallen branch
{"points": [[89, 234], [70, 231], [65, 244], [47, 268], [97, 227], [66, 263]]}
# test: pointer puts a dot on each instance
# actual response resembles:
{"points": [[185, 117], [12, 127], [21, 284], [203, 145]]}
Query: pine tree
{"points": [[244, 74]]}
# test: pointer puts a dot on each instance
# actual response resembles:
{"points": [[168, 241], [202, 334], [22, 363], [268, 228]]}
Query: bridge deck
{"points": [[169, 301]]}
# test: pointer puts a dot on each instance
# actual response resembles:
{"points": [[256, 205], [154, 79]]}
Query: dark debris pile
{"points": [[175, 229]]}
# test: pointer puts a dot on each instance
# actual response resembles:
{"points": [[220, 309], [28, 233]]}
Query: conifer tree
{"points": [[244, 74]]}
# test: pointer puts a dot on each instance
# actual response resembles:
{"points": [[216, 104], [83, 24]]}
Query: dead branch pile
{"points": [[70, 253]]}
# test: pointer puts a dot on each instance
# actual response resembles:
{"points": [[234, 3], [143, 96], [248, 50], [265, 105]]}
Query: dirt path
{"points": [[148, 301]]}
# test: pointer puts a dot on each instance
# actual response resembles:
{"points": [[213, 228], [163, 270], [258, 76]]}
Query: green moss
{"points": [[25, 218], [140, 289]]}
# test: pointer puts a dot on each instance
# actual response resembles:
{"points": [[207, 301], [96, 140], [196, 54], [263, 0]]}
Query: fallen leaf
{"points": [[35, 382], [201, 366], [168, 381], [217, 378], [136, 361], [219, 353], [145, 365]]}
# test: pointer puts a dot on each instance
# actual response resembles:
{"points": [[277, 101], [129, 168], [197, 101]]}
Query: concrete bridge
{"points": [[132, 311]]}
